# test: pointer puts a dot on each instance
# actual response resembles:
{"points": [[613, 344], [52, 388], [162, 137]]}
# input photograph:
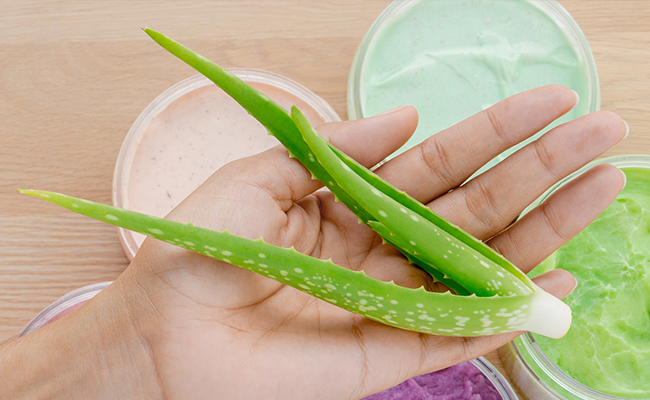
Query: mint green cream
{"points": [[608, 345], [451, 59]]}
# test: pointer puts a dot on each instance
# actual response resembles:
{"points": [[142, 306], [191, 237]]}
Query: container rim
{"points": [[495, 377]]}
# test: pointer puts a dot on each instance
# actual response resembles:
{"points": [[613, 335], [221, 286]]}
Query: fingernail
{"points": [[392, 110], [624, 178], [574, 287], [577, 97], [627, 129]]}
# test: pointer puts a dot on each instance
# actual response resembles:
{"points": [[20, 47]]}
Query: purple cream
{"points": [[463, 381]]}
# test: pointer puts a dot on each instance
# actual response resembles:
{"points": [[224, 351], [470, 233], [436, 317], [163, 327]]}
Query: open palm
{"points": [[218, 331]]}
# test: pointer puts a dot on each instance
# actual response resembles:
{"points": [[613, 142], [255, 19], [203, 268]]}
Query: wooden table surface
{"points": [[74, 75]]}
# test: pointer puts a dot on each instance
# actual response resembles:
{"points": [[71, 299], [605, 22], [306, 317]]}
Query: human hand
{"points": [[207, 329]]}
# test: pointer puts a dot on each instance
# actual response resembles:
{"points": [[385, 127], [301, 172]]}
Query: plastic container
{"points": [[529, 368], [63, 306], [187, 133], [450, 66]]}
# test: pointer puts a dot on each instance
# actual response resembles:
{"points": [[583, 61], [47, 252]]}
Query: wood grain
{"points": [[75, 75]]}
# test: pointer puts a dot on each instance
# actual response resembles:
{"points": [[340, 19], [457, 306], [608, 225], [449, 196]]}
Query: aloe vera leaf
{"points": [[279, 124], [411, 309], [425, 212], [415, 259], [463, 264], [275, 123]]}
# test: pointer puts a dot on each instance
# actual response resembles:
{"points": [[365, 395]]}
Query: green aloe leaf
{"points": [[464, 265], [279, 123], [411, 309]]}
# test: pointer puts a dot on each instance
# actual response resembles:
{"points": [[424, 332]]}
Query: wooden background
{"points": [[74, 75]]}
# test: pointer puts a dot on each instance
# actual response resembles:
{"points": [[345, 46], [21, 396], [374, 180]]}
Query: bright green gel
{"points": [[451, 59], [608, 345]]}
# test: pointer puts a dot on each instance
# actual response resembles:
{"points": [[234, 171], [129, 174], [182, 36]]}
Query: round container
{"points": [[190, 131], [451, 59], [456, 375], [527, 365], [63, 306]]}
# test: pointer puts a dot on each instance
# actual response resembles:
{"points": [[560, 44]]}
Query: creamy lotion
{"points": [[188, 133], [451, 59]]}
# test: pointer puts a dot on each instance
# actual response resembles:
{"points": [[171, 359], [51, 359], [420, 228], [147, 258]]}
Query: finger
{"points": [[491, 201], [562, 216], [367, 140], [558, 282], [450, 157]]}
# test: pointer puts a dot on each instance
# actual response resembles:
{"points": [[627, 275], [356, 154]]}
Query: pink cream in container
{"points": [[191, 130]]}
